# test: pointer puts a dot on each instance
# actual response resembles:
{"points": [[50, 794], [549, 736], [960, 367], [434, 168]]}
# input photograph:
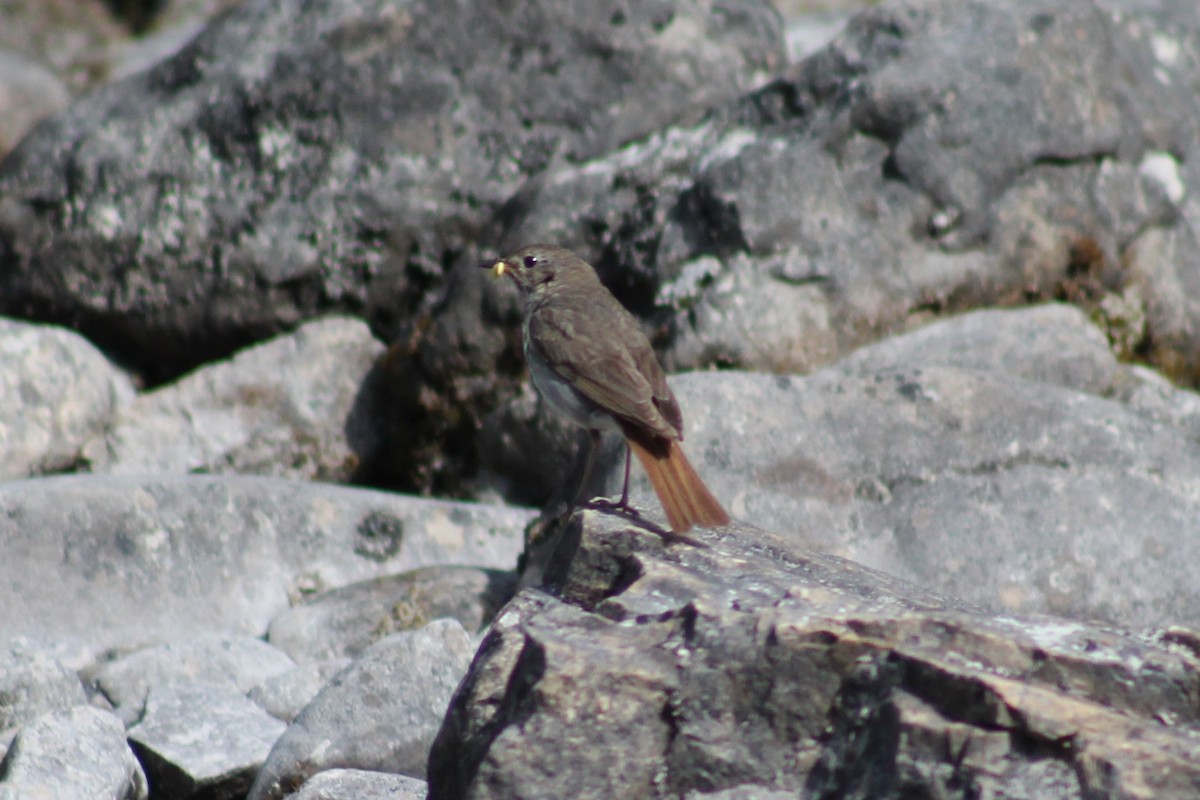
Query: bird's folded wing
{"points": [[578, 346]]}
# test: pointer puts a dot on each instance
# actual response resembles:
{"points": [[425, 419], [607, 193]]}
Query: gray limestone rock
{"points": [[1054, 344], [57, 391], [237, 662], [29, 92], [345, 621], [33, 682], [357, 784], [847, 215], [846, 201], [300, 406], [1152, 395], [750, 666], [294, 160], [1019, 495], [97, 562], [380, 713], [73, 752], [72, 38], [285, 695], [830, 206], [202, 740]]}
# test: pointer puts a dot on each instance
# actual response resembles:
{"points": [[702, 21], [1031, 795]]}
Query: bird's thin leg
{"points": [[605, 504], [593, 446], [624, 502]]}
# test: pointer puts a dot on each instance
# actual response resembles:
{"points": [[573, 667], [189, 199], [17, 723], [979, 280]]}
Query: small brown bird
{"points": [[593, 364]]}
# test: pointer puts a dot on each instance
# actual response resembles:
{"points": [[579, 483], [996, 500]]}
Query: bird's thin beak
{"points": [[497, 267]]}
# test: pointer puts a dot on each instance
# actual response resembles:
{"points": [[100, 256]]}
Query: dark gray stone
{"points": [[57, 391], [299, 159], [380, 713], [845, 200], [299, 406], [749, 666], [818, 193], [72, 752], [345, 621], [100, 562], [1008, 98], [357, 784], [202, 740]]}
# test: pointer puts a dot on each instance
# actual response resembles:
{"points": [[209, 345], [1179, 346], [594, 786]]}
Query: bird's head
{"points": [[536, 268]]}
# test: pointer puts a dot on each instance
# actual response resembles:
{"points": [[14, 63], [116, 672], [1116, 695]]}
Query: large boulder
{"points": [[94, 563], [935, 157], [752, 667], [298, 158]]}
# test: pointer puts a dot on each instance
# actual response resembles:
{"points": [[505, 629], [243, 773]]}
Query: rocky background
{"points": [[927, 273]]}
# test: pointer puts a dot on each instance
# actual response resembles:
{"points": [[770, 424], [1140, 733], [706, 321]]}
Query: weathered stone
{"points": [[32, 682], [56, 392], [236, 662], [300, 406], [71, 37], [345, 621], [1052, 344], [1152, 395], [843, 202], [285, 695], [172, 24], [357, 784], [381, 713], [28, 93], [296, 160], [100, 562], [809, 27], [202, 740], [72, 752], [750, 664], [938, 156], [1014, 494], [1164, 265]]}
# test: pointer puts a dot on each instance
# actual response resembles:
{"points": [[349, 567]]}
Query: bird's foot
{"points": [[613, 506], [622, 508]]}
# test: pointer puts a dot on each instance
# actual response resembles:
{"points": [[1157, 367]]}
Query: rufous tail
{"points": [[683, 495]]}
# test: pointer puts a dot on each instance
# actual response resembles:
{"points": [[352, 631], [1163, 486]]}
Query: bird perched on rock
{"points": [[592, 363]]}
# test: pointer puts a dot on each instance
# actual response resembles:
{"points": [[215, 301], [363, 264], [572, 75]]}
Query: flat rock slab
{"points": [[237, 662], [202, 739], [1054, 344], [106, 561], [755, 665]]}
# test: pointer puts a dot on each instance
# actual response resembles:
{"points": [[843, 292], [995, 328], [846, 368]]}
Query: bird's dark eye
{"points": [[530, 261]]}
